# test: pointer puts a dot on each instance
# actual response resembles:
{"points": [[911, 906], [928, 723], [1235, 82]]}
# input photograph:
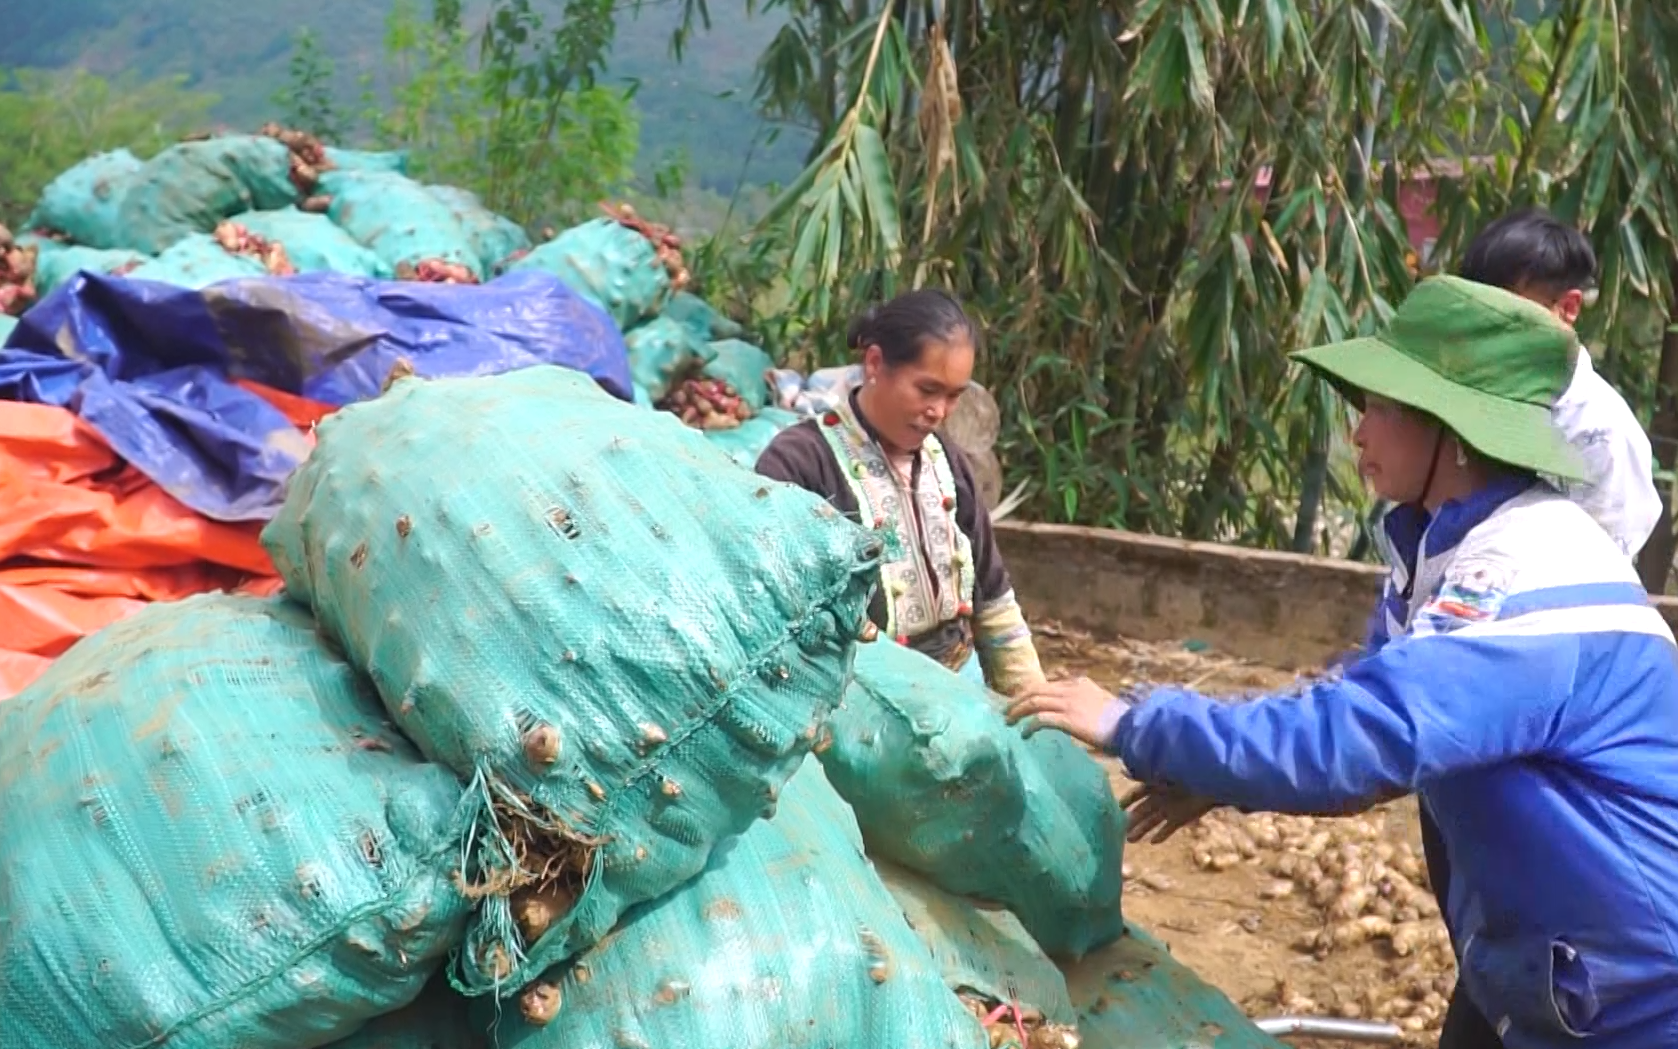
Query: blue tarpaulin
{"points": [[150, 365]]}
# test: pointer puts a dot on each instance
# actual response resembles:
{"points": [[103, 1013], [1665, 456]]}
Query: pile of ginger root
{"points": [[1367, 889]]}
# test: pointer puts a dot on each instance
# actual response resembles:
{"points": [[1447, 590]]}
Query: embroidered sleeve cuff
{"points": [[1005, 648], [998, 623]]}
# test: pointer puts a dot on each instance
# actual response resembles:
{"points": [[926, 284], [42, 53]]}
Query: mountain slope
{"points": [[240, 52]]}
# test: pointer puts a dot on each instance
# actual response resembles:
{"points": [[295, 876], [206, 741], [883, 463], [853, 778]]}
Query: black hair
{"points": [[901, 327], [1531, 250]]}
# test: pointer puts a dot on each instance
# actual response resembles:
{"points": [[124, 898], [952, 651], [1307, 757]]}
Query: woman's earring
{"points": [[1462, 456]]}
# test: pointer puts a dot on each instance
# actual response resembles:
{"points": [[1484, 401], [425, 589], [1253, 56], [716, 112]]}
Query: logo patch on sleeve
{"points": [[1470, 594]]}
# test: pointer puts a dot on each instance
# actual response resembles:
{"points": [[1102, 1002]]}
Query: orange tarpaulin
{"points": [[86, 539]]}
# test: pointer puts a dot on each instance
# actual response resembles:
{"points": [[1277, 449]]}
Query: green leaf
{"points": [[879, 188], [1200, 82], [835, 241], [1243, 263], [1211, 18], [1275, 33], [1311, 307]]}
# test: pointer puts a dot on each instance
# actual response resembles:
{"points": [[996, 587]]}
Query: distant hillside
{"points": [[240, 51]]}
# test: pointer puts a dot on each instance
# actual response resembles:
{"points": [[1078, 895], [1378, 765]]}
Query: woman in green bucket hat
{"points": [[1532, 701]]}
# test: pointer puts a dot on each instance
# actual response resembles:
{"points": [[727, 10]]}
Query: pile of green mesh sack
{"points": [[366, 214], [561, 735]]}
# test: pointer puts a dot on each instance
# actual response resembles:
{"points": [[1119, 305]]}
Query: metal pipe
{"points": [[1331, 1027]]}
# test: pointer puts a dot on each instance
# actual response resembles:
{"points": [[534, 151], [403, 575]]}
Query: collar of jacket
{"points": [[1414, 533]]}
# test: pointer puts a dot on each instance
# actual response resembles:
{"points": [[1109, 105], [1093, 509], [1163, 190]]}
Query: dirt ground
{"points": [[1283, 914]]}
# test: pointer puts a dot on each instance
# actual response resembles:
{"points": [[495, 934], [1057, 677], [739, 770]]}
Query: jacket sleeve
{"points": [[1420, 709]]}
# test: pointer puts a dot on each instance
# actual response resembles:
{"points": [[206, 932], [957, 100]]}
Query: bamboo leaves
{"points": [[1149, 203]]}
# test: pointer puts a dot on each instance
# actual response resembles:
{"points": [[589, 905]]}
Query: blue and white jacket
{"points": [[1532, 702]]}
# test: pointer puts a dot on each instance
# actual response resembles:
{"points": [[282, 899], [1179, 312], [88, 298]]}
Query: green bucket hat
{"points": [[1483, 361]]}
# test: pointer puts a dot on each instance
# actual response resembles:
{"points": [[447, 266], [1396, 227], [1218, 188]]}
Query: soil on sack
{"points": [[1283, 914]]}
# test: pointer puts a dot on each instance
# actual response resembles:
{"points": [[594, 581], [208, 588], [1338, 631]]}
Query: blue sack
{"points": [[746, 442], [56, 263], [149, 365], [83, 201], [367, 160], [438, 1019], [399, 219], [707, 323], [197, 261], [212, 838], [494, 239], [942, 785], [788, 940], [625, 641], [313, 243], [613, 265], [190, 187]]}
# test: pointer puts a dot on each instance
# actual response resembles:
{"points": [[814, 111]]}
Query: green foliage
{"points": [[524, 127], [309, 99], [1149, 203], [242, 53], [51, 120]]}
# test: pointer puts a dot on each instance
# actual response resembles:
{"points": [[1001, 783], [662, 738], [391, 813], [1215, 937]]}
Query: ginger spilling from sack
{"points": [[308, 156], [708, 404], [435, 271], [235, 239], [666, 243], [1010, 1026], [17, 275]]}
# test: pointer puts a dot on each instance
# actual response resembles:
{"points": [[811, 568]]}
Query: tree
{"points": [[51, 120], [308, 101], [1150, 202], [525, 126], [1593, 98]]}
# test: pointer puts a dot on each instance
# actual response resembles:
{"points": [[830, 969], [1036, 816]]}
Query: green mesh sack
{"points": [[609, 264], [494, 238], [197, 262], [1132, 994], [625, 642], [438, 1019], [83, 202], [984, 953], [190, 187], [944, 786], [744, 367], [787, 939], [704, 320], [746, 442], [661, 354], [314, 244], [367, 160], [56, 263], [213, 838], [399, 219]]}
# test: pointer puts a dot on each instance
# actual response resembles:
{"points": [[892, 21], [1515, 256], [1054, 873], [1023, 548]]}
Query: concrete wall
{"points": [[1285, 610]]}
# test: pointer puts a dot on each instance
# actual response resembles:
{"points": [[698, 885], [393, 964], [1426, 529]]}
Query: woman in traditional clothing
{"points": [[1530, 697], [878, 458]]}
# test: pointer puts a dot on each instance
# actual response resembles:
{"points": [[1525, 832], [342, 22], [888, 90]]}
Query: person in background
{"points": [[1547, 262], [1532, 700], [878, 458], [1539, 258]]}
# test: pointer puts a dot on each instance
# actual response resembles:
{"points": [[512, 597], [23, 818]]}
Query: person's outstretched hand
{"points": [[1162, 811], [1079, 707]]}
